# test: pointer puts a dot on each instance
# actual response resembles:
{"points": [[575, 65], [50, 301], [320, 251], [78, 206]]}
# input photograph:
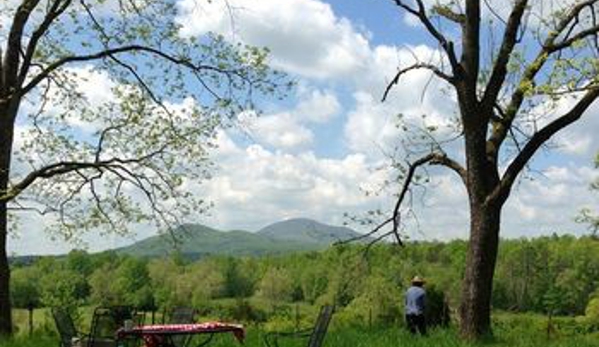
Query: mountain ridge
{"points": [[197, 240], [307, 230]]}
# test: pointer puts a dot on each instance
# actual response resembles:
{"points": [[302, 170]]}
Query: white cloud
{"points": [[279, 130], [279, 175], [264, 186], [549, 202], [371, 124], [580, 139], [95, 87], [318, 106], [304, 36]]}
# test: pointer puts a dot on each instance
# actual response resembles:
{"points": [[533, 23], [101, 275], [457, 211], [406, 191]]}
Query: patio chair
{"points": [[180, 315], [105, 323], [315, 334], [69, 335]]}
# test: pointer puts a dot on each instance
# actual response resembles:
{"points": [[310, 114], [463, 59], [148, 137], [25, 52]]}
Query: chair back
{"points": [[321, 326], [182, 315], [64, 325], [105, 323]]}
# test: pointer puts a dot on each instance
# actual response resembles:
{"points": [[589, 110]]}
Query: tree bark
{"points": [[6, 142], [483, 176], [477, 286], [5, 309]]}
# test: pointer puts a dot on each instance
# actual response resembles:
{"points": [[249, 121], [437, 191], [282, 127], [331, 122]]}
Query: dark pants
{"points": [[416, 323]]}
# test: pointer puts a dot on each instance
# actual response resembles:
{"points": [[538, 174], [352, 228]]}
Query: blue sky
{"points": [[315, 154]]}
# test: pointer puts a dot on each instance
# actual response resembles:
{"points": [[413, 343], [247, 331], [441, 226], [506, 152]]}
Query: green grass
{"points": [[35, 341], [382, 337], [511, 330]]}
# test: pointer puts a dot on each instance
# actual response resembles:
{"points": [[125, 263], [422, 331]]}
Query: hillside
{"points": [[307, 231], [197, 241]]}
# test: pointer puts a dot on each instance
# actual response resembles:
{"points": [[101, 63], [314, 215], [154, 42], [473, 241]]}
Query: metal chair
{"points": [[180, 315], [315, 334], [66, 327], [105, 323]]}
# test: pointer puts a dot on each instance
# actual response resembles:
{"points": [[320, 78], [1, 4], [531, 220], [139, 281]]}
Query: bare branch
{"points": [[366, 235], [434, 158], [447, 45], [417, 66], [507, 47]]}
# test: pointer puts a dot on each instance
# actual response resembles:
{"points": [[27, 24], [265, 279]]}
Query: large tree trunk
{"points": [[5, 307], [477, 286], [6, 142], [483, 177]]}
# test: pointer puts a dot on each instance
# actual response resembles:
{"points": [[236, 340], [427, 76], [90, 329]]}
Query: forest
{"points": [[549, 276]]}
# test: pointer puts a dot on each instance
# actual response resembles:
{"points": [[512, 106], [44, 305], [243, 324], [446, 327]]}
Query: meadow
{"points": [[534, 278], [380, 337], [511, 330]]}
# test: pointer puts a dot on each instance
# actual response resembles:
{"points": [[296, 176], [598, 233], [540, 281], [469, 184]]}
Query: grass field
{"points": [[370, 338], [374, 337], [511, 330]]}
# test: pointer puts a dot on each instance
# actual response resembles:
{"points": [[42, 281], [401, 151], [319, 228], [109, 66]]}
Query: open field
{"points": [[383, 337], [511, 330]]}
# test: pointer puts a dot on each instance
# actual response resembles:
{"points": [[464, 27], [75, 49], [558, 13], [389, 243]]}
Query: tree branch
{"points": [[502, 190], [417, 66], [470, 59], [435, 158], [54, 12], [13, 47], [113, 51], [65, 167], [447, 45], [500, 132], [510, 38], [570, 41], [447, 13]]}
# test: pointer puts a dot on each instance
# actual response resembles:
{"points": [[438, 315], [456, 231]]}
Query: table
{"points": [[161, 335]]}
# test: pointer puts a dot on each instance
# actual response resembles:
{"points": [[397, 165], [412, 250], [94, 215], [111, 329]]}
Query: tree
{"points": [[276, 285], [540, 78], [129, 145], [127, 282], [25, 292]]}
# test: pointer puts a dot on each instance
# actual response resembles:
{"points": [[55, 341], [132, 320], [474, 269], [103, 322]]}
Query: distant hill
{"points": [[197, 241], [307, 231]]}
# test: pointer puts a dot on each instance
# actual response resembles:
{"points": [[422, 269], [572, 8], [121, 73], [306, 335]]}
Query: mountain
{"points": [[196, 241], [307, 231]]}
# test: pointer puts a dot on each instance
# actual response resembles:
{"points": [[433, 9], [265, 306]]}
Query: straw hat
{"points": [[418, 279]]}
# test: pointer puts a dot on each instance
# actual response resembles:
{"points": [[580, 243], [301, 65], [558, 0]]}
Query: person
{"points": [[415, 304]]}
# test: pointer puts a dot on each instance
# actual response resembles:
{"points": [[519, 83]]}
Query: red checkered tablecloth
{"points": [[155, 335]]}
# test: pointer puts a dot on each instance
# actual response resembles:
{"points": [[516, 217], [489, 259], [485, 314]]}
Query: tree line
{"points": [[556, 275]]}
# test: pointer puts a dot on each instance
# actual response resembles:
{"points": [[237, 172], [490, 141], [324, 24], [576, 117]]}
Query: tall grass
{"points": [[354, 337], [511, 330], [30, 341]]}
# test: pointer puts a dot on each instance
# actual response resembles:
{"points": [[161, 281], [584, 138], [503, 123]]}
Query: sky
{"points": [[323, 152]]}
